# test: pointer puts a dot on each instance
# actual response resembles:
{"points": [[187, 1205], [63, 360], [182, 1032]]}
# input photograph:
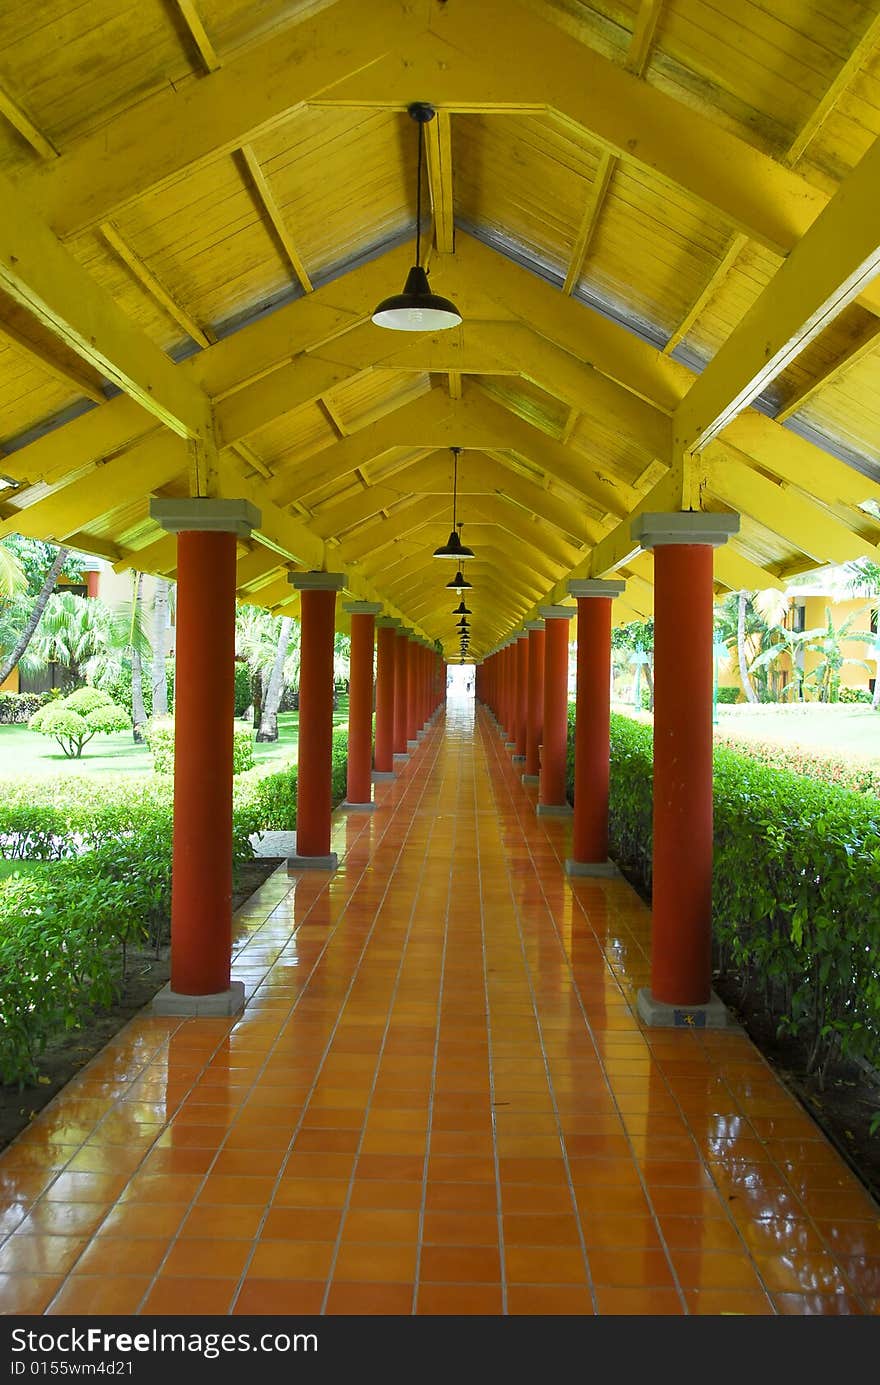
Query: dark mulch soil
{"points": [[146, 974]]}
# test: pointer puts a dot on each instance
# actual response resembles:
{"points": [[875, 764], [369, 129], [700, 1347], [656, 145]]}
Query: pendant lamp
{"points": [[417, 309], [453, 547]]}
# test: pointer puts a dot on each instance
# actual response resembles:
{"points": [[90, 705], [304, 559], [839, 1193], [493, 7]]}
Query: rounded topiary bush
{"points": [[73, 721]]}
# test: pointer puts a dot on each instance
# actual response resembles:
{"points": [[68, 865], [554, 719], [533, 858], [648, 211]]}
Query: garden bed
{"points": [[146, 973]]}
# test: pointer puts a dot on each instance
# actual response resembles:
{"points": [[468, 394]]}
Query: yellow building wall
{"points": [[815, 616]]}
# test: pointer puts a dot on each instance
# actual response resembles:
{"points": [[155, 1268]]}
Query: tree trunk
{"points": [[160, 624], [269, 720], [257, 697], [138, 711], [649, 679], [27, 634], [751, 695]]}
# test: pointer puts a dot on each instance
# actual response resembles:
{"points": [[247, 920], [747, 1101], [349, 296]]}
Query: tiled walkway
{"points": [[438, 1100]]}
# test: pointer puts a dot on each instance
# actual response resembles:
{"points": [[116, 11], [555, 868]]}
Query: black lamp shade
{"points": [[417, 309], [460, 583], [454, 548]]}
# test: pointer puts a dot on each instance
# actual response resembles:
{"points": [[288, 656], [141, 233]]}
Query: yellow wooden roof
{"points": [[657, 217]]}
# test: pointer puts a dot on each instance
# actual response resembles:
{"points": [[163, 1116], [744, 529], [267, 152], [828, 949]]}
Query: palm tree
{"points": [[865, 581], [791, 643], [159, 677], [10, 661], [268, 729], [12, 575], [827, 642]]}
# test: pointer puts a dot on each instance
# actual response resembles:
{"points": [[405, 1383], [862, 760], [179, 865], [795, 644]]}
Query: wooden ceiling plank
{"points": [[60, 364], [160, 139]]}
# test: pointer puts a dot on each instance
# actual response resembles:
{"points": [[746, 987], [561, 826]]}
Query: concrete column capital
{"points": [[362, 608], [197, 515], [558, 612], [387, 623], [317, 581], [596, 588], [684, 527], [534, 625]]}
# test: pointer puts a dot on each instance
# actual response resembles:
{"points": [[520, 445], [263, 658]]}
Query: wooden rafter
{"points": [[148, 281], [272, 213], [198, 34], [21, 121]]}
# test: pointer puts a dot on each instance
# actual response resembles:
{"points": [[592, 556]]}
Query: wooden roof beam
{"points": [[192, 22], [151, 286], [21, 122], [273, 215], [825, 272]]}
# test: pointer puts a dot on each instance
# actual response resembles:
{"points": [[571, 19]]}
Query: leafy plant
{"points": [[74, 720], [159, 735]]}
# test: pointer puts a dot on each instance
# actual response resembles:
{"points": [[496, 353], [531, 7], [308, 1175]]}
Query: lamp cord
{"points": [[419, 196]]}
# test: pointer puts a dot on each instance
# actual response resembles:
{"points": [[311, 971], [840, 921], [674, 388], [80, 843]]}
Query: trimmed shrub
{"points": [[18, 708], [242, 688], [73, 720], [796, 888], [855, 695], [276, 793], [159, 736], [726, 697], [862, 776]]}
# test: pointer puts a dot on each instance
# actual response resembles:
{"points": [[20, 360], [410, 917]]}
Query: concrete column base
{"points": [[359, 807], [510, 745], [168, 1002], [297, 863], [602, 868], [411, 745], [519, 759], [401, 756], [383, 776], [554, 810], [530, 778], [659, 1015]]}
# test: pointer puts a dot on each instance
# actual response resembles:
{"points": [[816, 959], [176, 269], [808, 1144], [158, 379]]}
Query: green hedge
{"points": [[17, 708], [105, 885], [796, 893], [159, 736], [862, 776], [728, 696]]}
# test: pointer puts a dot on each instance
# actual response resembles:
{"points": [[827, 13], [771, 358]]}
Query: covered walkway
{"points": [[439, 1099]]}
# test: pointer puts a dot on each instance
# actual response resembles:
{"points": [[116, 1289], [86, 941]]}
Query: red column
{"points": [[589, 836], [681, 935], [313, 789], [554, 742], [535, 717], [386, 641], [201, 885], [412, 654], [360, 703], [93, 583], [204, 708], [400, 667], [520, 721]]}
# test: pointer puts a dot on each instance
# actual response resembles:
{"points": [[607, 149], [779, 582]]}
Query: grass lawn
{"points": [[24, 752], [851, 729], [19, 867]]}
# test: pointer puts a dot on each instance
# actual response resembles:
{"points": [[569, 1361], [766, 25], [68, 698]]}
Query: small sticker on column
{"points": [[689, 1019]]}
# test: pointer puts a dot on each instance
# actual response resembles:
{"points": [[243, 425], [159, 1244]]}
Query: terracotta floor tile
{"points": [[817, 1305], [301, 1224], [541, 1230], [379, 1194], [50, 1255], [359, 1299], [366, 1262], [540, 1265], [279, 1297], [25, 1294], [209, 1297], [61, 1219], [549, 1300], [534, 1198], [459, 1300], [638, 1302], [87, 1295], [713, 1269], [460, 1228], [291, 1260], [235, 1189], [460, 1264], [311, 1192], [112, 1255], [207, 1259], [362, 1224], [733, 1302], [460, 1197], [226, 1223]]}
